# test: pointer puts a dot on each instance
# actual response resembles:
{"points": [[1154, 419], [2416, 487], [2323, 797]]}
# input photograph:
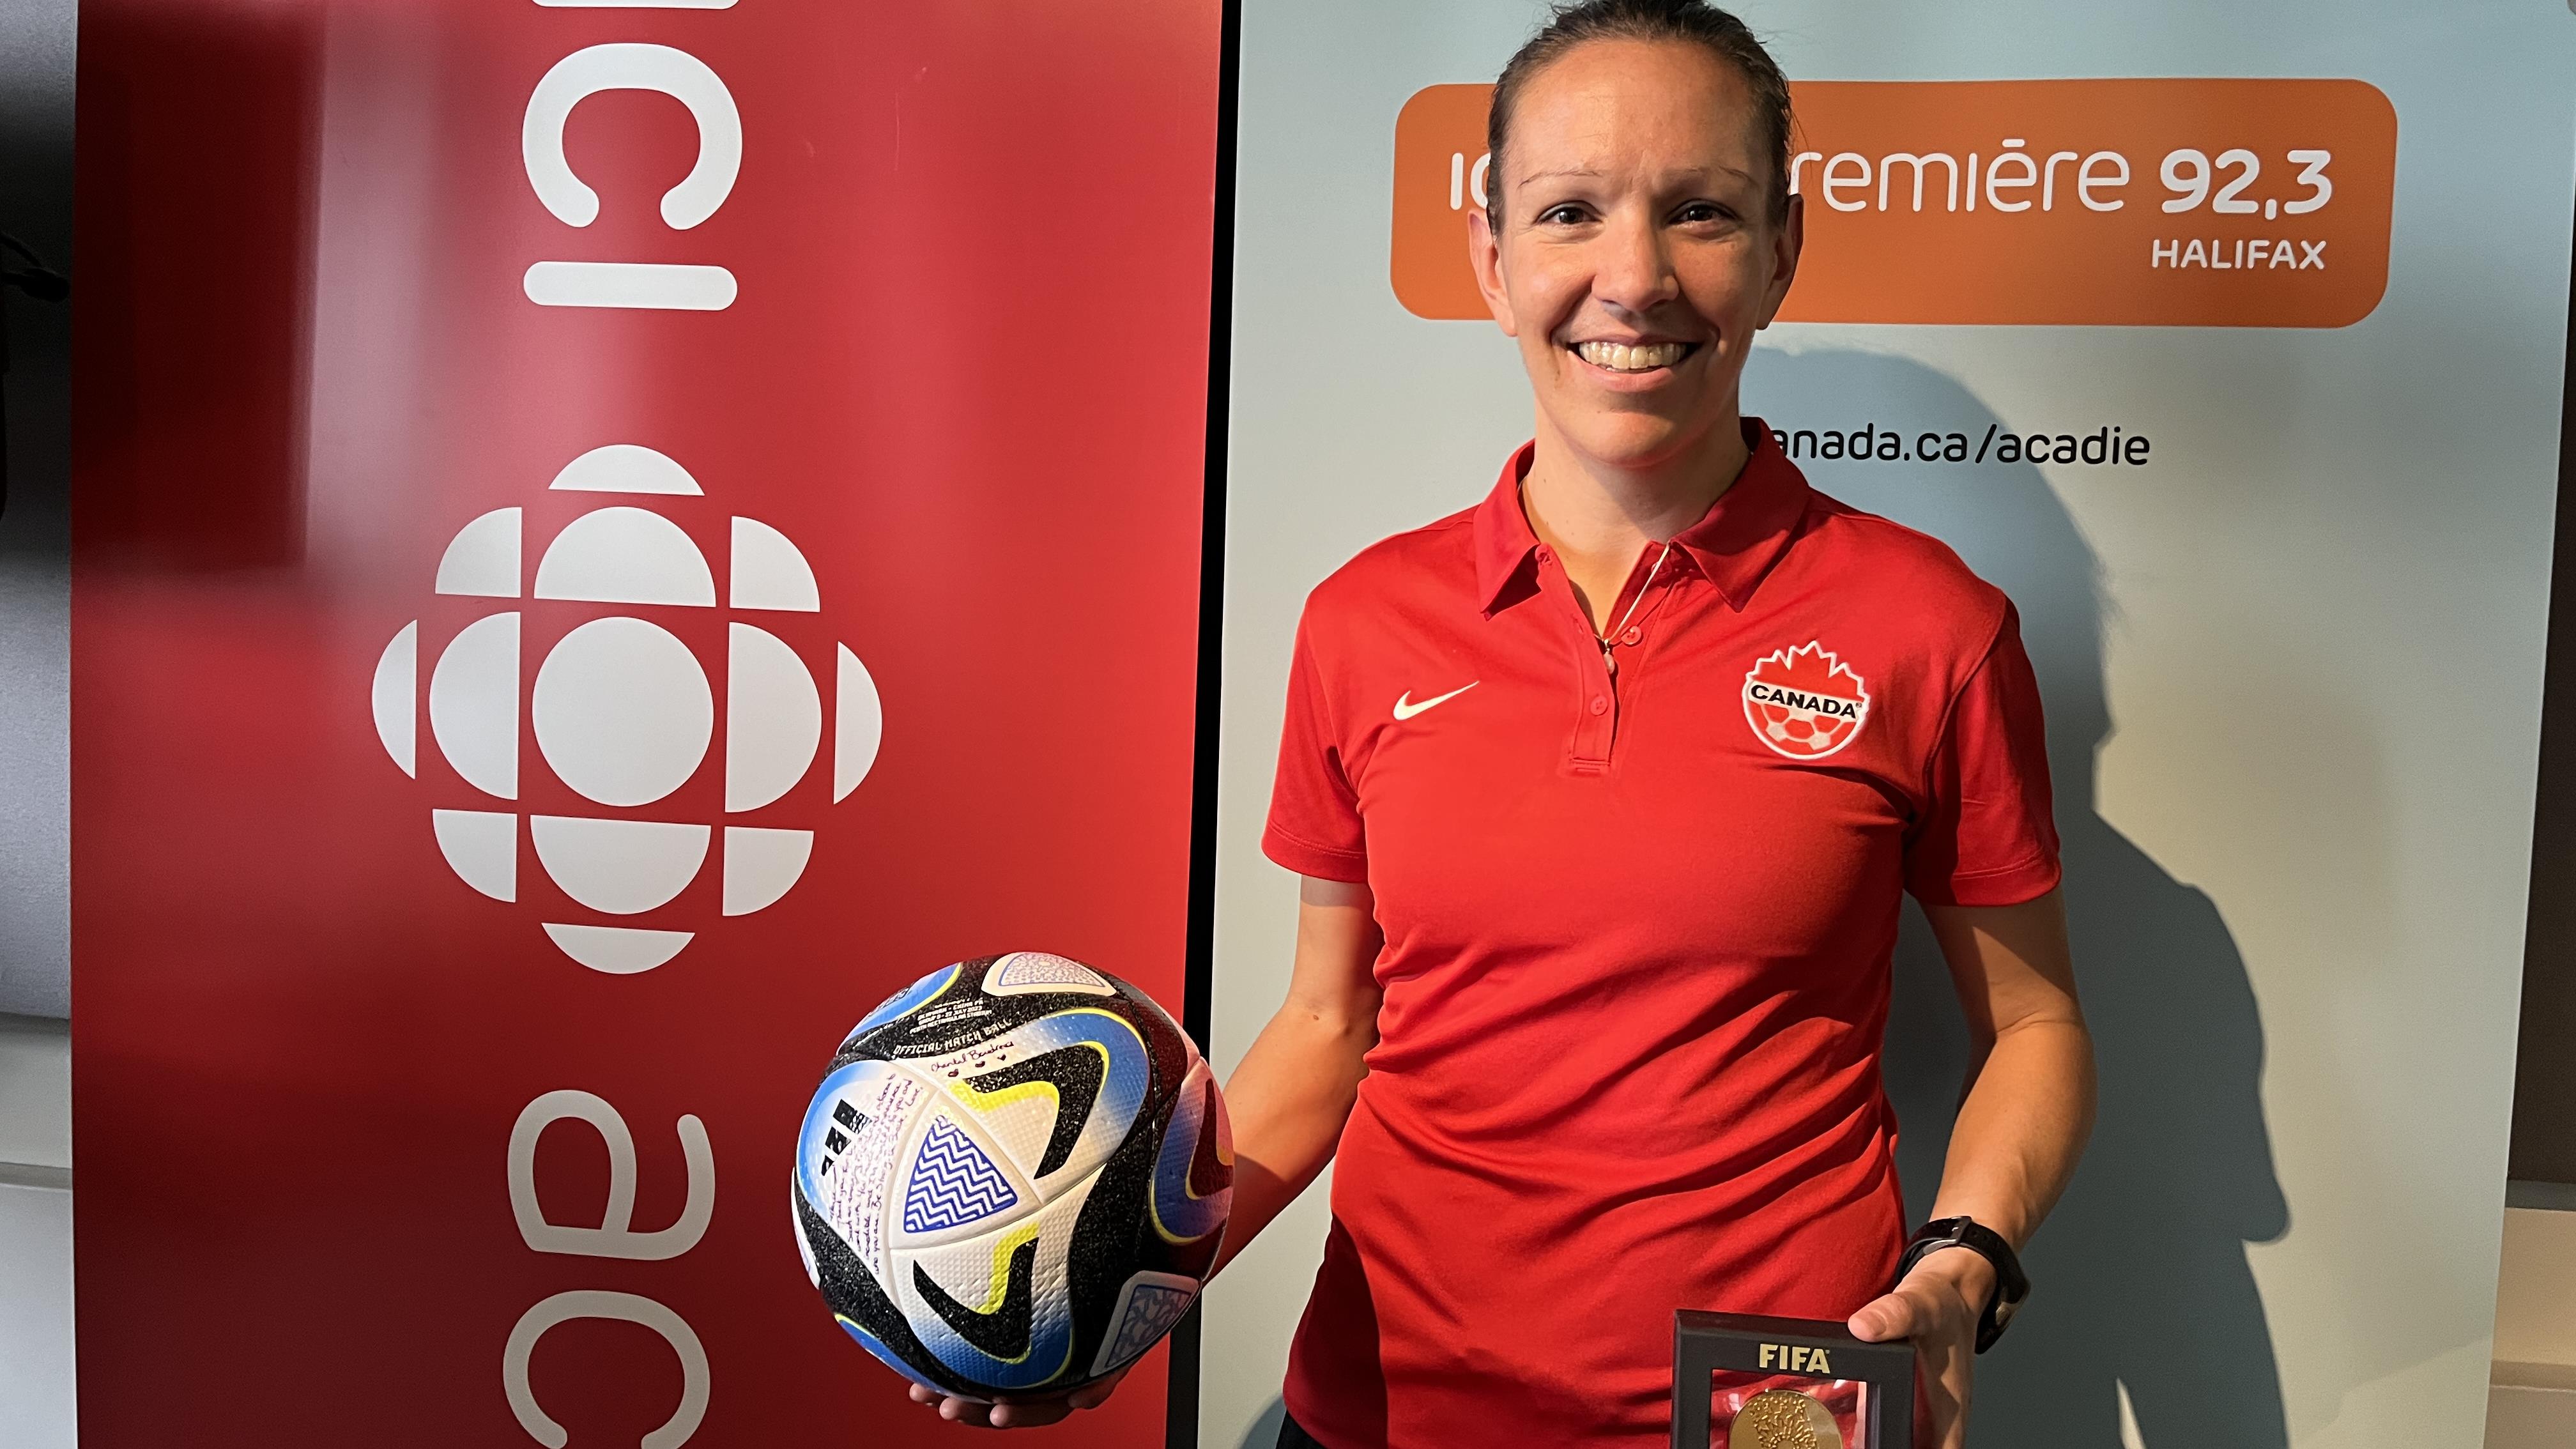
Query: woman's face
{"points": [[1636, 255]]}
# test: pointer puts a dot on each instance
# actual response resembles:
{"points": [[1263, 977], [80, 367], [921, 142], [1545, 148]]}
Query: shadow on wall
{"points": [[1264, 1433], [2142, 1279]]}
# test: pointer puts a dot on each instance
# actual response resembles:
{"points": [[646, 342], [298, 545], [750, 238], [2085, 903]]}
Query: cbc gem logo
{"points": [[623, 712], [1804, 702]]}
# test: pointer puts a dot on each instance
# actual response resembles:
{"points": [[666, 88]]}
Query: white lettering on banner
{"points": [[1835, 182], [2026, 176], [662, 286], [2245, 254], [623, 1308], [2187, 173], [630, 66], [613, 1238], [1466, 181], [646, 286], [1887, 172], [674, 73], [2085, 180]]}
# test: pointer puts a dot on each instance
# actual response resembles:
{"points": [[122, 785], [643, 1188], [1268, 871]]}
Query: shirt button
{"points": [[1600, 704], [1632, 636]]}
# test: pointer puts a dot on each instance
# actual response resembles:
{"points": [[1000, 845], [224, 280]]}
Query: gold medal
{"points": [[1783, 1419]]}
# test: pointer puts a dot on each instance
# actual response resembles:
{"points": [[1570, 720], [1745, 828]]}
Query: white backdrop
{"points": [[2292, 667]]}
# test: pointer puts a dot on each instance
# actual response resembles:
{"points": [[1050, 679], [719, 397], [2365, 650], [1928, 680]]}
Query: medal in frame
{"points": [[1741, 1381]]}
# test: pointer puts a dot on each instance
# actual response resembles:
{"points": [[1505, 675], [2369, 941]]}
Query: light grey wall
{"points": [[35, 528], [35, 1234], [2296, 861]]}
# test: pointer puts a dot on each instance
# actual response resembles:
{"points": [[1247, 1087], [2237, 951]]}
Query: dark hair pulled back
{"points": [[1691, 22]]}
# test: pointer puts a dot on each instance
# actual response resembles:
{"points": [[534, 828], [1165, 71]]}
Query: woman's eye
{"points": [[1701, 211], [1566, 215]]}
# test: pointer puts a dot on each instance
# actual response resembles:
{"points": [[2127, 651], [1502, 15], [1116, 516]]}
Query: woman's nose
{"points": [[1633, 272]]}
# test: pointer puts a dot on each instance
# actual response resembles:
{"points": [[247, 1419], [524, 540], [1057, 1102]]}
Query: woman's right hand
{"points": [[1019, 1413], [1288, 1100]]}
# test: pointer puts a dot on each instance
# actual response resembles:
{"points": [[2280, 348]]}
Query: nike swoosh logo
{"points": [[1406, 709]]}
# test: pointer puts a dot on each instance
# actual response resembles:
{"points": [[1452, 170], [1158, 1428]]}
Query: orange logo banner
{"points": [[2138, 203]]}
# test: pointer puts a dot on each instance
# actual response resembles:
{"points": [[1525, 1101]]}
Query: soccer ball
{"points": [[1014, 1178]]}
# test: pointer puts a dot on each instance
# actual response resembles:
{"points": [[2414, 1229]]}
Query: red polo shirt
{"points": [[1638, 925]]}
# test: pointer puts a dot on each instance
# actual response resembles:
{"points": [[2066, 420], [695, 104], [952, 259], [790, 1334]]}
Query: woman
{"points": [[1605, 793]]}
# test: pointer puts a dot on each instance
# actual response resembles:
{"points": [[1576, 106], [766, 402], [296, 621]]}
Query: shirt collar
{"points": [[1735, 543]]}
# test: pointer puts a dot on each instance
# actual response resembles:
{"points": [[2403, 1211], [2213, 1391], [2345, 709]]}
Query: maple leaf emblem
{"points": [[1805, 703]]}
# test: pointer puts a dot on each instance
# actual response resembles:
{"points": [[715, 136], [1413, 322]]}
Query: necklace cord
{"points": [[1642, 590], [1520, 492]]}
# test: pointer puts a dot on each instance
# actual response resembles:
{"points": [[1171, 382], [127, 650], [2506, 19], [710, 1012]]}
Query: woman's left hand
{"points": [[1937, 1306]]}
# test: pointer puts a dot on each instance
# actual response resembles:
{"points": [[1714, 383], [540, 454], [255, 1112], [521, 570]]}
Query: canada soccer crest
{"points": [[1805, 703]]}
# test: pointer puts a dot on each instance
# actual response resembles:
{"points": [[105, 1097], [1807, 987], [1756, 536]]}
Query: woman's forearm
{"points": [[2029, 1103], [1292, 1092], [1287, 1102], [2028, 1111]]}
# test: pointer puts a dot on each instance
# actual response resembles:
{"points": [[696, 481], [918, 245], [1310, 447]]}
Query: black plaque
{"points": [[1745, 1382]]}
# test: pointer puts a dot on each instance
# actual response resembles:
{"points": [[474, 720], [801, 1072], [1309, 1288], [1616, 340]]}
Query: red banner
{"points": [[609, 539]]}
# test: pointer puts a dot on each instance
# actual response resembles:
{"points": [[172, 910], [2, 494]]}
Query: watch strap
{"points": [[2012, 1285]]}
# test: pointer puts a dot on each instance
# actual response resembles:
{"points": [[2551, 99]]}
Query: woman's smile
{"points": [[1633, 360]]}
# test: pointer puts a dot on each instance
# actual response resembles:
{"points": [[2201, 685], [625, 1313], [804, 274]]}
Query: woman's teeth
{"points": [[1620, 357]]}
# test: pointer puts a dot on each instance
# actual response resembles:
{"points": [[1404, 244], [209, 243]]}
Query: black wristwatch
{"points": [[2011, 1284]]}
